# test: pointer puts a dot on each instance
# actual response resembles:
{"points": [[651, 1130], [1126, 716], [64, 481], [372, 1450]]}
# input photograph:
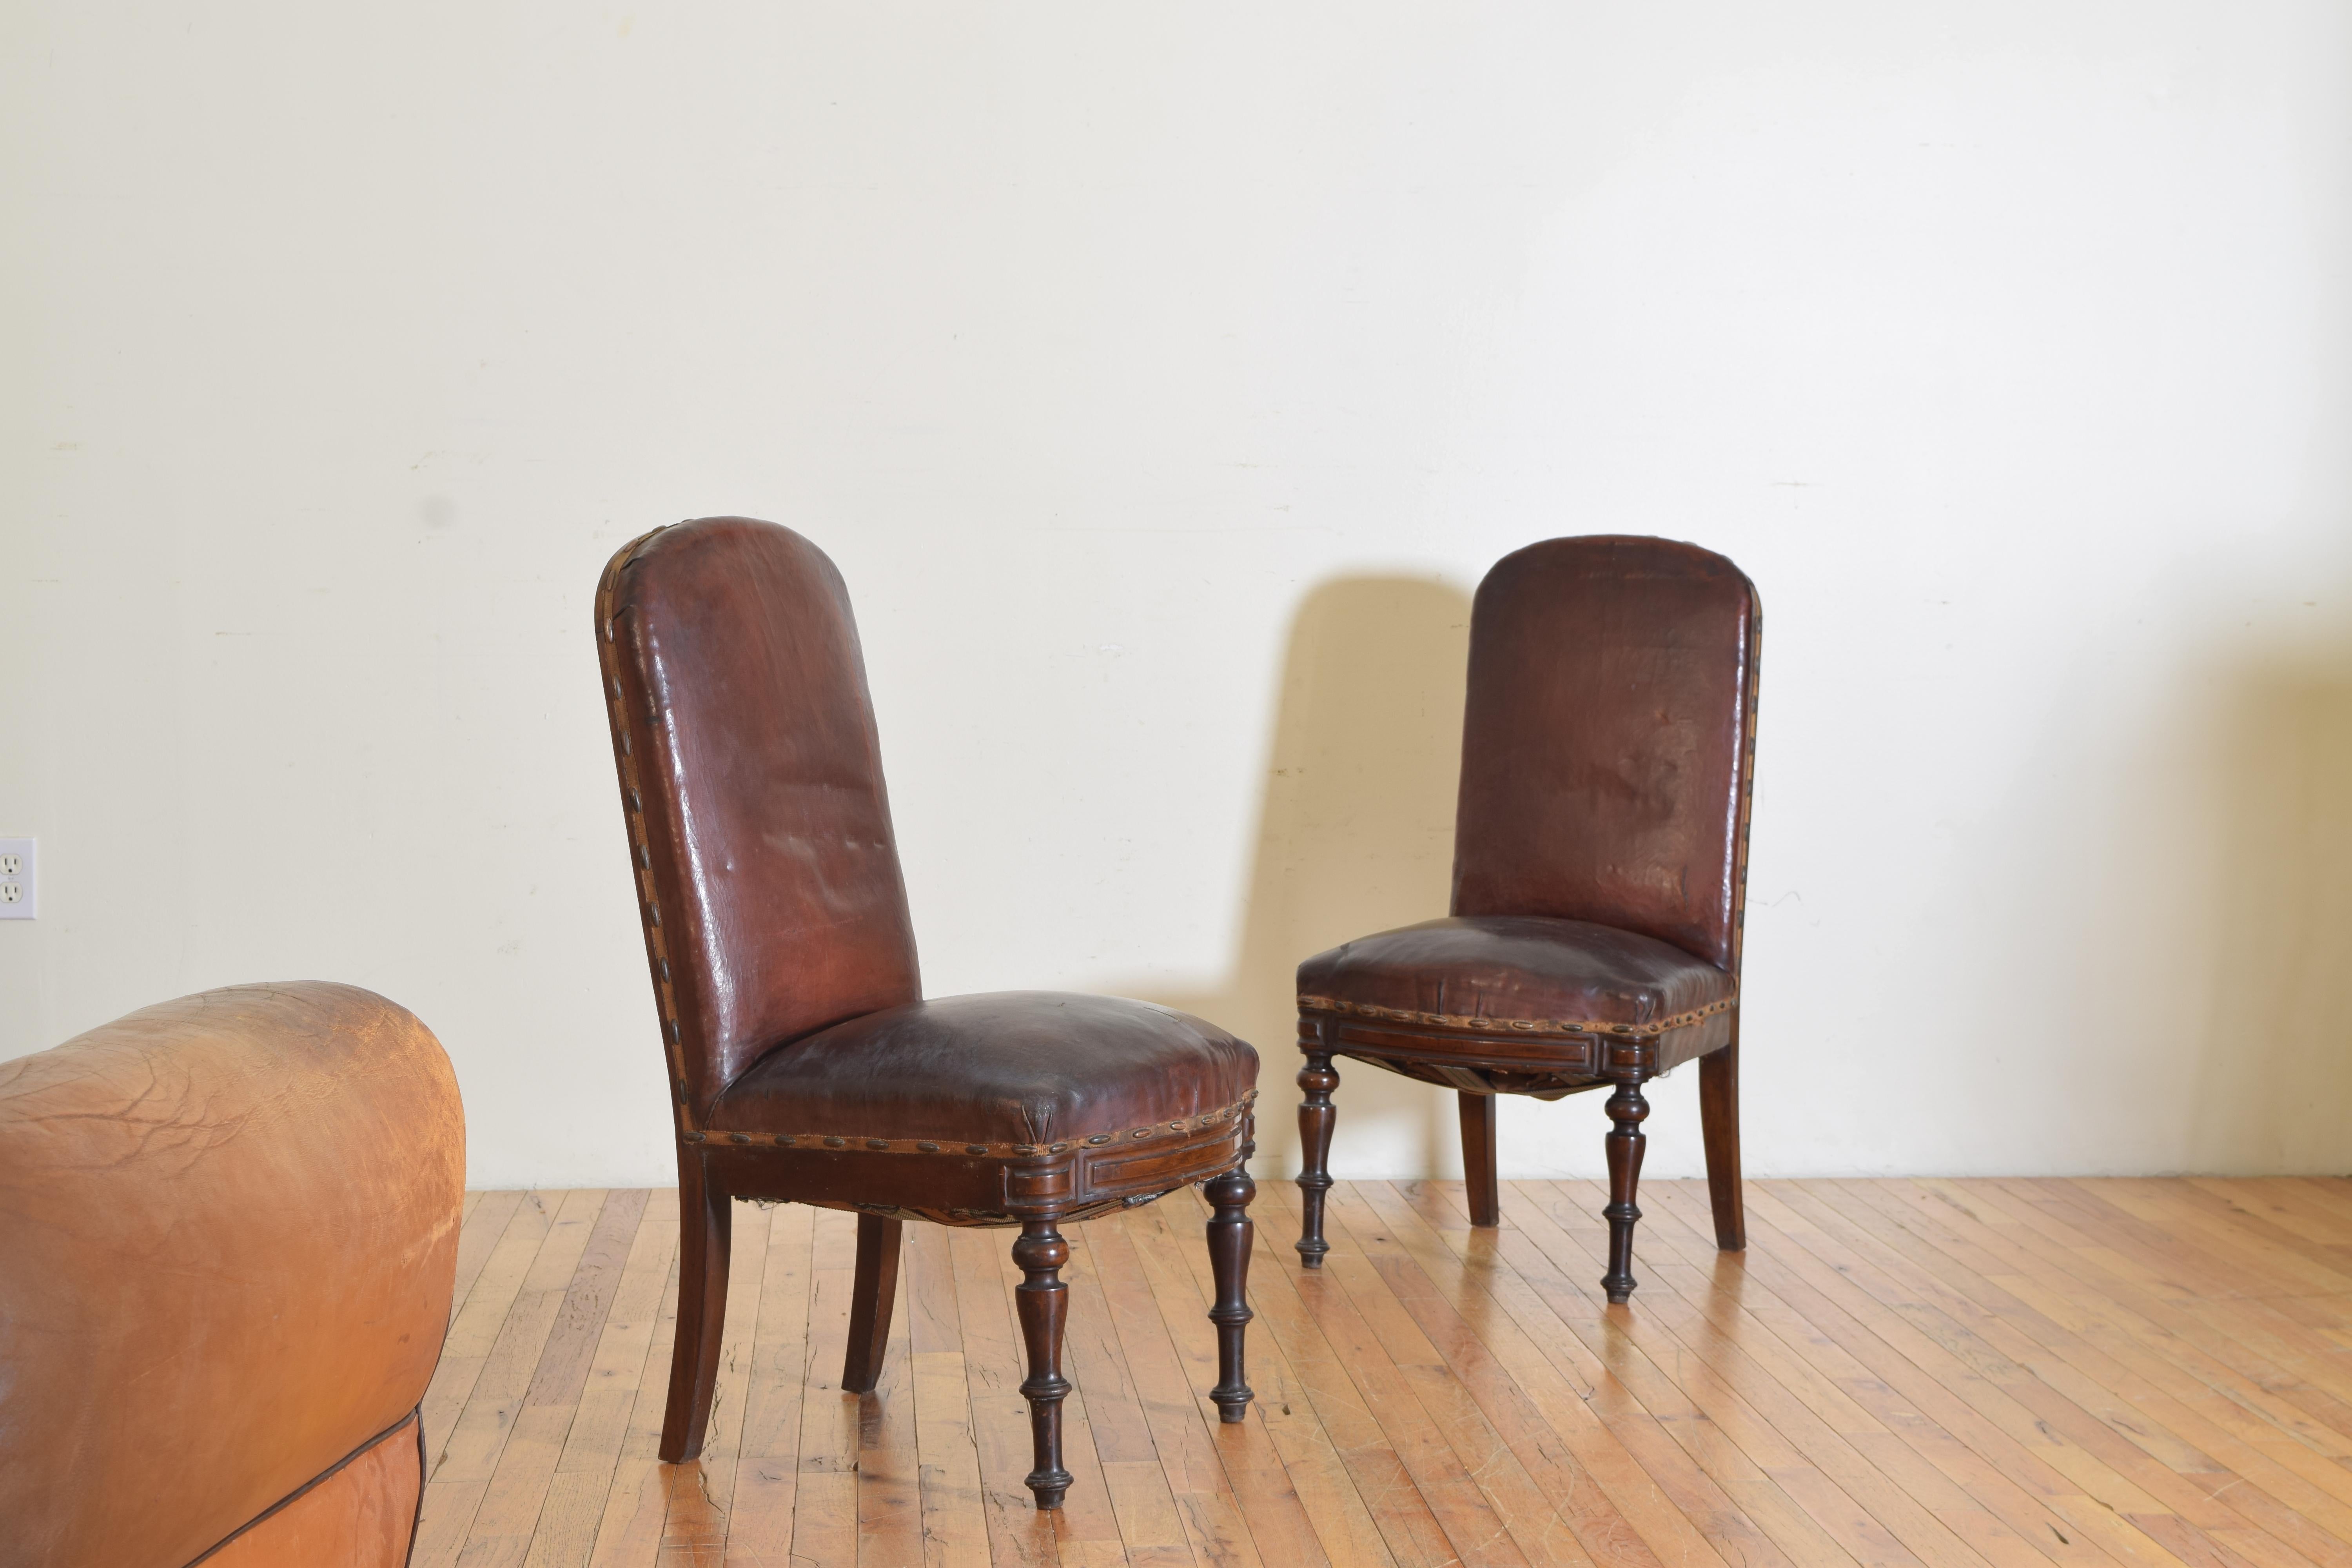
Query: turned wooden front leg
{"points": [[1230, 1231], [1316, 1115], [1627, 1110], [1044, 1302]]}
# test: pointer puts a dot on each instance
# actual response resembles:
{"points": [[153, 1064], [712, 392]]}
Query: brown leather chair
{"points": [[803, 1064], [1600, 873], [228, 1235]]}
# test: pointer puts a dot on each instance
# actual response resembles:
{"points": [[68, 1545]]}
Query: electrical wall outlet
{"points": [[19, 879]]}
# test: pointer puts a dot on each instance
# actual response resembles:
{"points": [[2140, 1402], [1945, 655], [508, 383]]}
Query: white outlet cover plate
{"points": [[27, 879]]}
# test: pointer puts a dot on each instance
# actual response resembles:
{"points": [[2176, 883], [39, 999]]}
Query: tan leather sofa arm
{"points": [[228, 1232]]}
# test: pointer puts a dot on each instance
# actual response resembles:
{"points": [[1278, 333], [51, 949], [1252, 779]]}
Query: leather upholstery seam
{"points": [[321, 1478], [1657, 1027], [1237, 1114], [424, 1472]]}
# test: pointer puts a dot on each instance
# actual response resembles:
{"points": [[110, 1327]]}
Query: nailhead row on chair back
{"points": [[1606, 741], [751, 776]]}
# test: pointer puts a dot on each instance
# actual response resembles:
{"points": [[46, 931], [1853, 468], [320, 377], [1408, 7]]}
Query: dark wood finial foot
{"points": [[1043, 1302], [1318, 1078], [1627, 1110], [1230, 1233]]}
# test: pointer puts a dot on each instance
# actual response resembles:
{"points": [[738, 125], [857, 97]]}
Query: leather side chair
{"points": [[1599, 875], [803, 1064]]}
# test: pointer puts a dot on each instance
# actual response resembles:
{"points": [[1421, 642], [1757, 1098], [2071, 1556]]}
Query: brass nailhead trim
{"points": [[1746, 779], [1520, 1025], [1200, 1123], [609, 657]]}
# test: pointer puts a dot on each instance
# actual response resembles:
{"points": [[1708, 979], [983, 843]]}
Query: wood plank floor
{"points": [[1918, 1372]]}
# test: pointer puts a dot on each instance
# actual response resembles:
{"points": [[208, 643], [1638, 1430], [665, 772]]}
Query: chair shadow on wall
{"points": [[1355, 836], [2275, 1085]]}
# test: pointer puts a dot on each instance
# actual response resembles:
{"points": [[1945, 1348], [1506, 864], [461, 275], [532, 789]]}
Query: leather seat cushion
{"points": [[1007, 1067], [1468, 972]]}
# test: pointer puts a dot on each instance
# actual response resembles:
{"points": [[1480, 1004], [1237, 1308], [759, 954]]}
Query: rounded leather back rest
{"points": [[228, 1237], [752, 775], [1607, 739]]}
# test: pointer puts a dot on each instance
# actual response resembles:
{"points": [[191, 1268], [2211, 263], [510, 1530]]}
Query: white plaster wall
{"points": [[1162, 378]]}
